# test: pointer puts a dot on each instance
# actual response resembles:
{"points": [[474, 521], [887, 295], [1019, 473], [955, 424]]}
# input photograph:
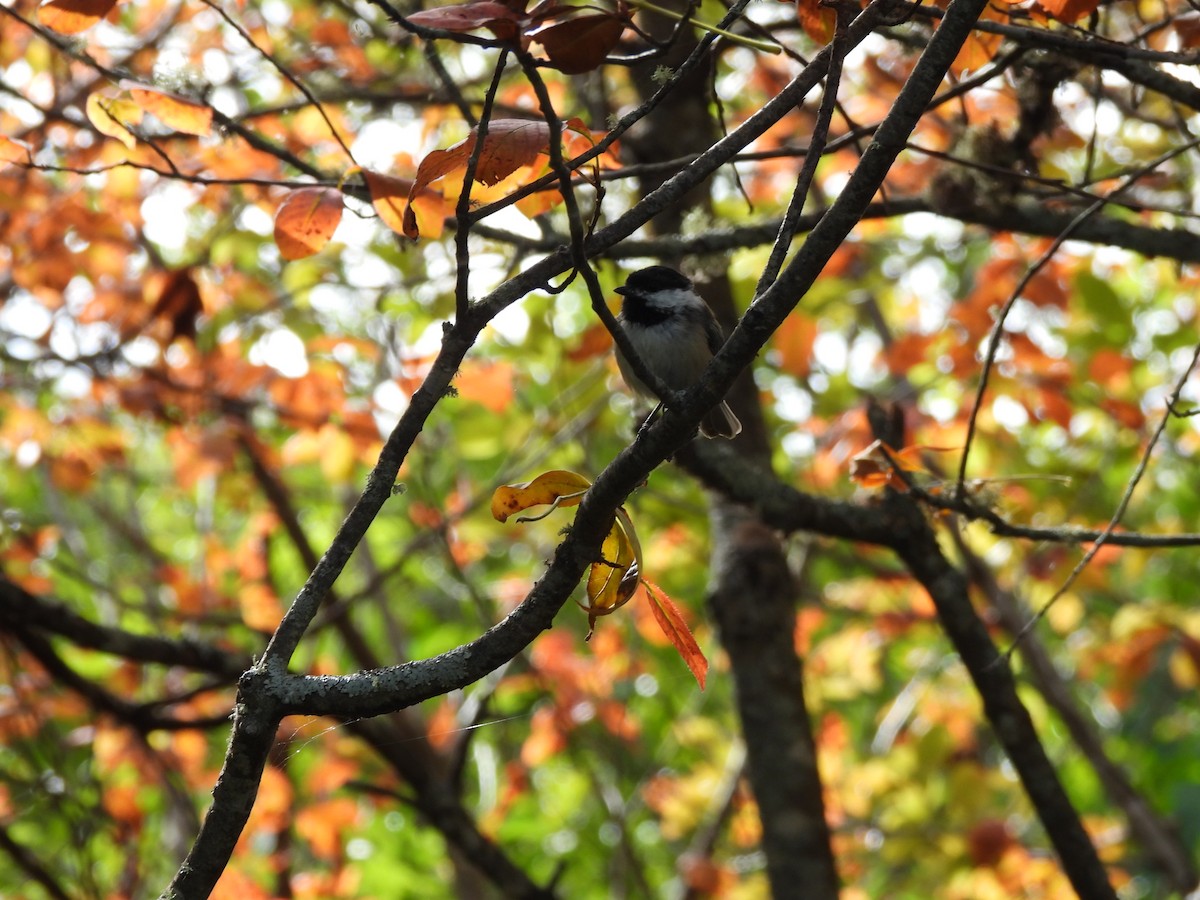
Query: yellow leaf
{"points": [[557, 488], [613, 579], [114, 117]]}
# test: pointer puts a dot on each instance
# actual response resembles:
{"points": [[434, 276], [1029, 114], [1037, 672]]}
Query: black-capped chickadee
{"points": [[675, 334]]}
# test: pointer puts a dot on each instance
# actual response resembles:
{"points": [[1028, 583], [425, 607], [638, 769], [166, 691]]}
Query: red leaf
{"points": [[496, 17], [671, 622]]}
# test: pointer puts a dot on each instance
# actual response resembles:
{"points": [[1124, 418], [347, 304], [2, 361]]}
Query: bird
{"points": [[675, 334]]}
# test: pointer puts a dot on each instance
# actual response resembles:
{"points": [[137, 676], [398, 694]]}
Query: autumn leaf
{"points": [[1069, 10], [73, 16], [980, 46], [509, 144], [497, 18], [114, 117], [613, 579], [490, 384], [817, 21], [675, 628], [172, 110], [306, 220], [595, 341], [580, 44], [876, 465], [13, 151], [794, 341], [178, 305], [559, 488], [401, 211]]}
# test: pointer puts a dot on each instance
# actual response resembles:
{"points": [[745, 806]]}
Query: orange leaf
{"points": [[559, 488], [306, 221], [906, 351], [581, 44], [387, 195], [1110, 368], [322, 824], [980, 46], [546, 738], [173, 111], [794, 340], [12, 150], [671, 622], [817, 21], [73, 16], [489, 384], [1069, 10], [595, 341], [509, 144]]}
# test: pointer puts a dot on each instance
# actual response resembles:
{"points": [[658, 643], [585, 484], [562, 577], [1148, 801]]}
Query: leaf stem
{"points": [[754, 43]]}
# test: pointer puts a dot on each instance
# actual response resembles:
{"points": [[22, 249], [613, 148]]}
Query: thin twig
{"points": [[1106, 535], [993, 346]]}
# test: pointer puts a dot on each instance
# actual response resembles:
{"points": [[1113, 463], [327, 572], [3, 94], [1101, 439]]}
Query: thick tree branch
{"points": [[917, 546], [21, 609], [1157, 837]]}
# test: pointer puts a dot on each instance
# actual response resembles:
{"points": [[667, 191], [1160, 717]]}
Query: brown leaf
{"points": [[817, 21], [580, 44], [306, 221], [179, 305], [73, 16], [510, 144]]}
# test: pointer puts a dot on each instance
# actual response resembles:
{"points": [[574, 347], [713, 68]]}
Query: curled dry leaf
{"points": [[612, 579], [306, 221], [558, 487]]}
